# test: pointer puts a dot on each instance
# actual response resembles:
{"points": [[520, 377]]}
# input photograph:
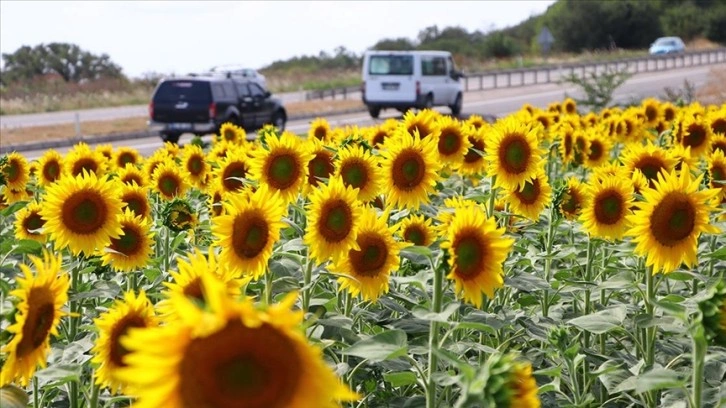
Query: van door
{"points": [[434, 78], [390, 79]]}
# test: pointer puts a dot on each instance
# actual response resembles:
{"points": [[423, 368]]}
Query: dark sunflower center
{"points": [[217, 203], [195, 165], [650, 166], [409, 170], [474, 154], [118, 351], [232, 175], [719, 126], [570, 108], [449, 142], [125, 158], [250, 233], [421, 128], [695, 136], [371, 257], [130, 242], [132, 177], [240, 366], [12, 171], [468, 255], [320, 133], [609, 207], [718, 174], [596, 150], [568, 144], [514, 154], [321, 166], [719, 145], [136, 204], [571, 203], [354, 173], [415, 234], [544, 121], [84, 212], [85, 163], [673, 219], [379, 138], [33, 222], [336, 221], [651, 113], [194, 290], [169, 184], [529, 193], [282, 171], [51, 171], [38, 321], [669, 114], [230, 134]]}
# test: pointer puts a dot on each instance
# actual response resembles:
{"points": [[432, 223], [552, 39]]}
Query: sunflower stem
{"points": [[588, 280], [307, 278], [434, 336], [650, 333], [166, 250], [699, 356], [548, 261], [36, 400], [492, 196], [75, 316], [93, 403], [268, 288]]}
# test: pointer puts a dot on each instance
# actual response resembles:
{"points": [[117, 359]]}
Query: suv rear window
{"points": [[390, 65], [183, 90]]}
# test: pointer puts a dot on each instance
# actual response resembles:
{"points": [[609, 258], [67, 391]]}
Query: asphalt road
{"points": [[498, 102]]}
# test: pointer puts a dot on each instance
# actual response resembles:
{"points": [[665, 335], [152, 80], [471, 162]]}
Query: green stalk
{"points": [[492, 197], [650, 331], [434, 337], [75, 317], [603, 336], [307, 278], [588, 279], [166, 250], [36, 400], [93, 403], [548, 260], [268, 288], [699, 356]]}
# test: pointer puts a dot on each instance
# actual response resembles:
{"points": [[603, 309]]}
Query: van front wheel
{"points": [[375, 111], [456, 107], [429, 102]]}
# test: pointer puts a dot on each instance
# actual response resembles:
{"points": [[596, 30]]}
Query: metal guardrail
{"points": [[509, 78]]}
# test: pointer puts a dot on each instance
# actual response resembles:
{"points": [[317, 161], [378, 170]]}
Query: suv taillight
{"points": [[212, 111], [151, 110], [418, 88]]}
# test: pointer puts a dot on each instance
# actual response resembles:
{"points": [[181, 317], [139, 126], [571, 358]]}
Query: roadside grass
{"points": [[65, 131], [714, 90]]}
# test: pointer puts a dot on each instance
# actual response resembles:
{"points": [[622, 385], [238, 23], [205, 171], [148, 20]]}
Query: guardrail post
{"points": [[481, 81], [548, 75]]}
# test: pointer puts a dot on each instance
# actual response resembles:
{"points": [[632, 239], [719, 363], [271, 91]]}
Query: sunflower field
{"points": [[552, 258]]}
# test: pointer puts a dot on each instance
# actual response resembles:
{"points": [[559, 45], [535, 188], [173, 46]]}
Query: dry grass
{"points": [[65, 131], [714, 90]]}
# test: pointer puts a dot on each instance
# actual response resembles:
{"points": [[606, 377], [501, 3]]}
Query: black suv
{"points": [[201, 104]]}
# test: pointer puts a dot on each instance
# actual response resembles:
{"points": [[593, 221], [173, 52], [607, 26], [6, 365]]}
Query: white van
{"points": [[410, 79]]}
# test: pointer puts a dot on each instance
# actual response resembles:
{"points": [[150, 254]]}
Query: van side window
{"points": [[217, 91], [433, 66], [242, 90], [229, 91]]}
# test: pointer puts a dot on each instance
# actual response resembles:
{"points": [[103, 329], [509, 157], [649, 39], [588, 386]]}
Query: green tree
{"points": [[685, 20], [394, 44], [67, 60]]}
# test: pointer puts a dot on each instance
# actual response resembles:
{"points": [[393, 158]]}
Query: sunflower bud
{"points": [[509, 383], [178, 215], [714, 315]]}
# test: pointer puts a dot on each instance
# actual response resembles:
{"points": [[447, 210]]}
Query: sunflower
{"points": [[130, 174], [320, 129], [178, 215], [333, 218], [248, 230], [136, 199], [529, 200], [132, 249], [572, 199], [474, 162], [683, 156], [367, 269], [666, 226], [42, 297], [652, 112], [697, 135], [510, 383], [477, 250], [718, 143], [513, 153], [195, 164], [566, 135], [359, 169], [192, 277], [50, 168], [649, 159], [417, 230], [476, 121], [216, 195], [569, 106], [231, 133], [12, 195], [29, 223], [717, 171], [640, 183], [106, 151], [16, 171], [320, 166], [235, 354], [82, 213], [126, 155], [376, 135], [608, 203], [718, 121], [598, 149], [81, 158], [410, 169], [421, 123], [669, 111], [157, 158], [582, 147], [232, 170], [452, 140], [168, 180], [282, 165], [108, 352]]}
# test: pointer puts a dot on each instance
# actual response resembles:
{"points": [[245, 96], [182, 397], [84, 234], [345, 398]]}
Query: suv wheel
{"points": [[279, 120], [429, 102], [375, 111], [171, 137], [456, 107]]}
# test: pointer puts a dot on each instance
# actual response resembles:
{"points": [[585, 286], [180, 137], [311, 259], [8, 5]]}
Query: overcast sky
{"points": [[186, 36]]}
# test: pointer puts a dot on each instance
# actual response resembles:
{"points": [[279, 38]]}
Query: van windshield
{"points": [[391, 65], [183, 90]]}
